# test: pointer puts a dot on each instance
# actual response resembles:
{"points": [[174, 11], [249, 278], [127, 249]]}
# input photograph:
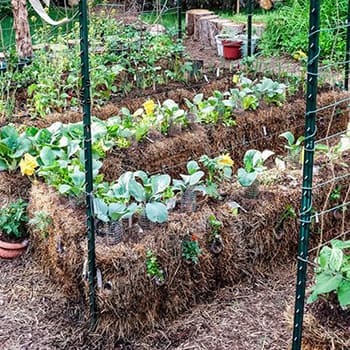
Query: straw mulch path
{"points": [[249, 316]]}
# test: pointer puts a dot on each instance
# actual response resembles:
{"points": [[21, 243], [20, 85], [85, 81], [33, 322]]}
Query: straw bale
{"points": [[260, 129], [170, 154], [58, 250], [13, 186], [130, 302]]}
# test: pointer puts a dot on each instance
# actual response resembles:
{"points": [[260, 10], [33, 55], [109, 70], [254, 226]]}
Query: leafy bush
{"points": [[13, 219], [287, 31], [333, 273]]}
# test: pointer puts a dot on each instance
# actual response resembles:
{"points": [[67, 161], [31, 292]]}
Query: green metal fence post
{"points": [[179, 18], [347, 52], [249, 28], [86, 104], [306, 201]]}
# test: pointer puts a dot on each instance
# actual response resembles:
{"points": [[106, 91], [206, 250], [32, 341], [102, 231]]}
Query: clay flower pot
{"points": [[12, 250]]}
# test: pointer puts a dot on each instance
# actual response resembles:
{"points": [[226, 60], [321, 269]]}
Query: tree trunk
{"points": [[21, 26]]}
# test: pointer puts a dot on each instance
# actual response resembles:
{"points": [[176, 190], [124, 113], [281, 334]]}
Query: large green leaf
{"points": [[47, 156], [141, 175], [101, 209], [343, 292], [78, 177], [246, 178], [195, 178], [156, 212], [324, 257], [116, 210], [327, 282], [5, 150], [248, 160], [336, 259], [73, 147], [192, 167], [3, 165], [43, 137], [160, 183], [98, 131], [64, 188], [198, 99], [136, 190], [336, 243]]}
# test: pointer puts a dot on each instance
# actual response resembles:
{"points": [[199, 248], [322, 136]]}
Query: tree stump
{"points": [[233, 28], [203, 28], [215, 27], [190, 18], [258, 29]]}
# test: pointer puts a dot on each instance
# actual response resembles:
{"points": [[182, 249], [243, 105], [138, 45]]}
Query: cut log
{"points": [[258, 29], [196, 31], [233, 28], [203, 28], [215, 27], [190, 18]]}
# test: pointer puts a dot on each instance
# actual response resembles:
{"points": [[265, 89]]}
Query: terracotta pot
{"points": [[12, 250]]}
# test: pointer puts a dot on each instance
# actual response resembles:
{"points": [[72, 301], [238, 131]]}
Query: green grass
{"points": [[258, 17], [168, 20]]}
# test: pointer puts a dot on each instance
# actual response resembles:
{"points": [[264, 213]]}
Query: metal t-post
{"points": [[347, 52], [249, 28], [306, 201], [179, 18], [86, 104]]}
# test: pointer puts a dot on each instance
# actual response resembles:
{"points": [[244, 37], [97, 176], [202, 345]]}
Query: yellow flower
{"points": [[149, 107], [28, 164], [299, 55], [225, 160], [235, 79]]}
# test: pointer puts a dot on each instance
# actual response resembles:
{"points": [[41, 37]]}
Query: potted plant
{"points": [[253, 161], [13, 233], [188, 185]]}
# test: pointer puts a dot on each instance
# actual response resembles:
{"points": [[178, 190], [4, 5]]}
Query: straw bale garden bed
{"points": [[151, 270], [197, 180]]}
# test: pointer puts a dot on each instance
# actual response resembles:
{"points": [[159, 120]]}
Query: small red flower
{"points": [[194, 237]]}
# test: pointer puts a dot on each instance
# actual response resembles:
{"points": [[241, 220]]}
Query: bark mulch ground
{"points": [[246, 316]]}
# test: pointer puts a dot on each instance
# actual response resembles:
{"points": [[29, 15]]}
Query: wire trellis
{"points": [[308, 212]]}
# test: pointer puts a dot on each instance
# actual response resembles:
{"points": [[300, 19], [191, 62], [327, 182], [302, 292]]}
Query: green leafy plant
{"points": [[271, 91], [332, 275], [13, 146], [335, 194], [41, 222], [294, 146], [191, 181], [153, 268], [253, 165], [219, 169], [191, 249], [215, 226], [170, 114], [146, 191], [13, 220]]}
